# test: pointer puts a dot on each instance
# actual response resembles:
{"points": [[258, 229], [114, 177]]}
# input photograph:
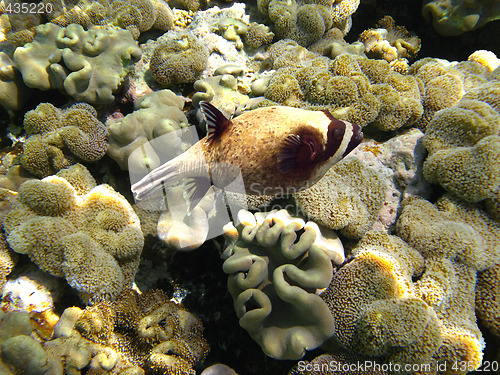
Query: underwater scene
{"points": [[269, 187]]}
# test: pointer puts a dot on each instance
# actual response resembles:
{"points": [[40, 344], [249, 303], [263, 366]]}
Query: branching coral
{"points": [[274, 272], [58, 138], [348, 198], [73, 229], [87, 65], [155, 114], [179, 60]]}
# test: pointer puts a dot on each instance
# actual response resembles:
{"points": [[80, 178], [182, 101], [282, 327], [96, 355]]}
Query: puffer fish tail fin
{"points": [[217, 123]]}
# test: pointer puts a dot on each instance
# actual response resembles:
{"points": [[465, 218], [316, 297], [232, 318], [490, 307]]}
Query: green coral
{"points": [[464, 147], [87, 65], [392, 305], [351, 88], [136, 16], [179, 59], [306, 21], [74, 229], [274, 272], [348, 198], [58, 138], [155, 114]]}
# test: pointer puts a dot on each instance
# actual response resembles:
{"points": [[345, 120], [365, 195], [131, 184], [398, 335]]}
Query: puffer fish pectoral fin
{"points": [[217, 123], [298, 151]]}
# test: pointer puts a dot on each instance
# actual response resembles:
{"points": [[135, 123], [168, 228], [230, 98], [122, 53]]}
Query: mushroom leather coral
{"points": [[273, 275], [73, 229], [87, 65], [59, 138]]}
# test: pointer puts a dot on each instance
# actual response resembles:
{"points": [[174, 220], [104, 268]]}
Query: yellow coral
{"points": [[348, 198], [93, 240], [59, 137], [178, 60]]}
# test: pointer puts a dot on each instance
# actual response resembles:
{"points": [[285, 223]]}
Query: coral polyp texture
{"points": [[389, 42], [350, 87], [274, 272], [87, 65], [404, 308], [450, 18], [59, 138], [348, 198], [155, 114], [137, 334], [73, 229], [464, 147], [179, 59], [137, 16]]}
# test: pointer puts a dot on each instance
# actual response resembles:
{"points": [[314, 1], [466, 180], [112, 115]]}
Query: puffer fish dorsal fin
{"points": [[216, 121], [298, 150]]}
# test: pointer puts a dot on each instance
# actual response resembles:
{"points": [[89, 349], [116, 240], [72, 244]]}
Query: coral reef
{"points": [[221, 91], [452, 230], [446, 82], [136, 16], [455, 17], [73, 229], [464, 147], [389, 42], [348, 198], [351, 88], [178, 60], [135, 333], [155, 114], [180, 230], [487, 296], [273, 275], [393, 318], [87, 65], [58, 138], [304, 21]]}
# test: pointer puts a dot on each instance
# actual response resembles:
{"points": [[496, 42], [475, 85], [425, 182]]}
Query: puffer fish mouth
{"points": [[356, 138]]}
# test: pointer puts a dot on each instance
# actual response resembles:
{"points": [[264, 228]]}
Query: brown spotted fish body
{"points": [[277, 150]]}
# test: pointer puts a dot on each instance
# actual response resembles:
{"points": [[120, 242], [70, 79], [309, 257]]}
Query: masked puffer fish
{"points": [[276, 149]]}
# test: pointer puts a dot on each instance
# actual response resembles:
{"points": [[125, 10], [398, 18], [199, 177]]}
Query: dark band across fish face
{"points": [[337, 144]]}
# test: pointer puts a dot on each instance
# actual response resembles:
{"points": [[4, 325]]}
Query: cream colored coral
{"points": [[450, 230], [93, 240], [348, 198]]}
